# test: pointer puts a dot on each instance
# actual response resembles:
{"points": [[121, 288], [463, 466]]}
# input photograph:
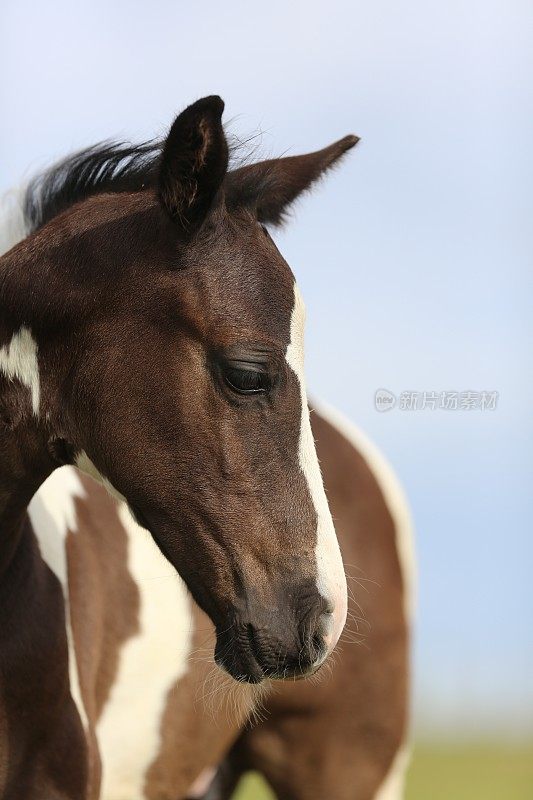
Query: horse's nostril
{"points": [[318, 650], [252, 642], [325, 623]]}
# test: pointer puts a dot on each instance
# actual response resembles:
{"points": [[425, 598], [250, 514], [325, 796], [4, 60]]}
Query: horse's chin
{"points": [[236, 657]]}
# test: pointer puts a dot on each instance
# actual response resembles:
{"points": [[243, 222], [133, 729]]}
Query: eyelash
{"points": [[247, 381]]}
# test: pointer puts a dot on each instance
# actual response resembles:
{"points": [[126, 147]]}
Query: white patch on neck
{"points": [[13, 227], [84, 464], [331, 580], [53, 514], [151, 663], [18, 360]]}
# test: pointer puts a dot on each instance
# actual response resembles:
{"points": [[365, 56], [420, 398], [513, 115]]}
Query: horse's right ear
{"points": [[193, 163]]}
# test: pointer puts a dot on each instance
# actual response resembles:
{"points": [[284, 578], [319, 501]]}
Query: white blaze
{"points": [[331, 580]]}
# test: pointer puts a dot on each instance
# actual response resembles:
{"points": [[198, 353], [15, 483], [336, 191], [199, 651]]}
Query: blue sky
{"points": [[414, 258]]}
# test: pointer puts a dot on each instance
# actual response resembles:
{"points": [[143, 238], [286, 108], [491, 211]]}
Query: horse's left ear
{"points": [[269, 187], [193, 163]]}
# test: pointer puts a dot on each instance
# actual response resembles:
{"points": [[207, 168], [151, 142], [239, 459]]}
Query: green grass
{"points": [[445, 772], [252, 787], [487, 772]]}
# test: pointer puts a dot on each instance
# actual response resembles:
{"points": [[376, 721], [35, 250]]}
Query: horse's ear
{"points": [[193, 163], [269, 187]]}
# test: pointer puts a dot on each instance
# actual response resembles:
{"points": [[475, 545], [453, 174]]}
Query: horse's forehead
{"points": [[244, 285], [231, 275]]}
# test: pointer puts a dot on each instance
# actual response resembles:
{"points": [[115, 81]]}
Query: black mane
{"points": [[116, 167], [104, 167]]}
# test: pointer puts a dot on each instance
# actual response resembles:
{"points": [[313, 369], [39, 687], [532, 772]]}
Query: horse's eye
{"points": [[247, 381]]}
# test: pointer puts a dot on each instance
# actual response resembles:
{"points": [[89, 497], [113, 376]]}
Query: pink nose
{"points": [[337, 621]]}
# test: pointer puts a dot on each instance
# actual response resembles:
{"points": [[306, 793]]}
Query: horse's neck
{"points": [[20, 565], [20, 477], [21, 462]]}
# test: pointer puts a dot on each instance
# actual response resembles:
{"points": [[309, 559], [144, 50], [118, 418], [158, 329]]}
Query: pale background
{"points": [[414, 258]]}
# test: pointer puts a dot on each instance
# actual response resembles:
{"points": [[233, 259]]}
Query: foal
{"points": [[152, 335]]}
